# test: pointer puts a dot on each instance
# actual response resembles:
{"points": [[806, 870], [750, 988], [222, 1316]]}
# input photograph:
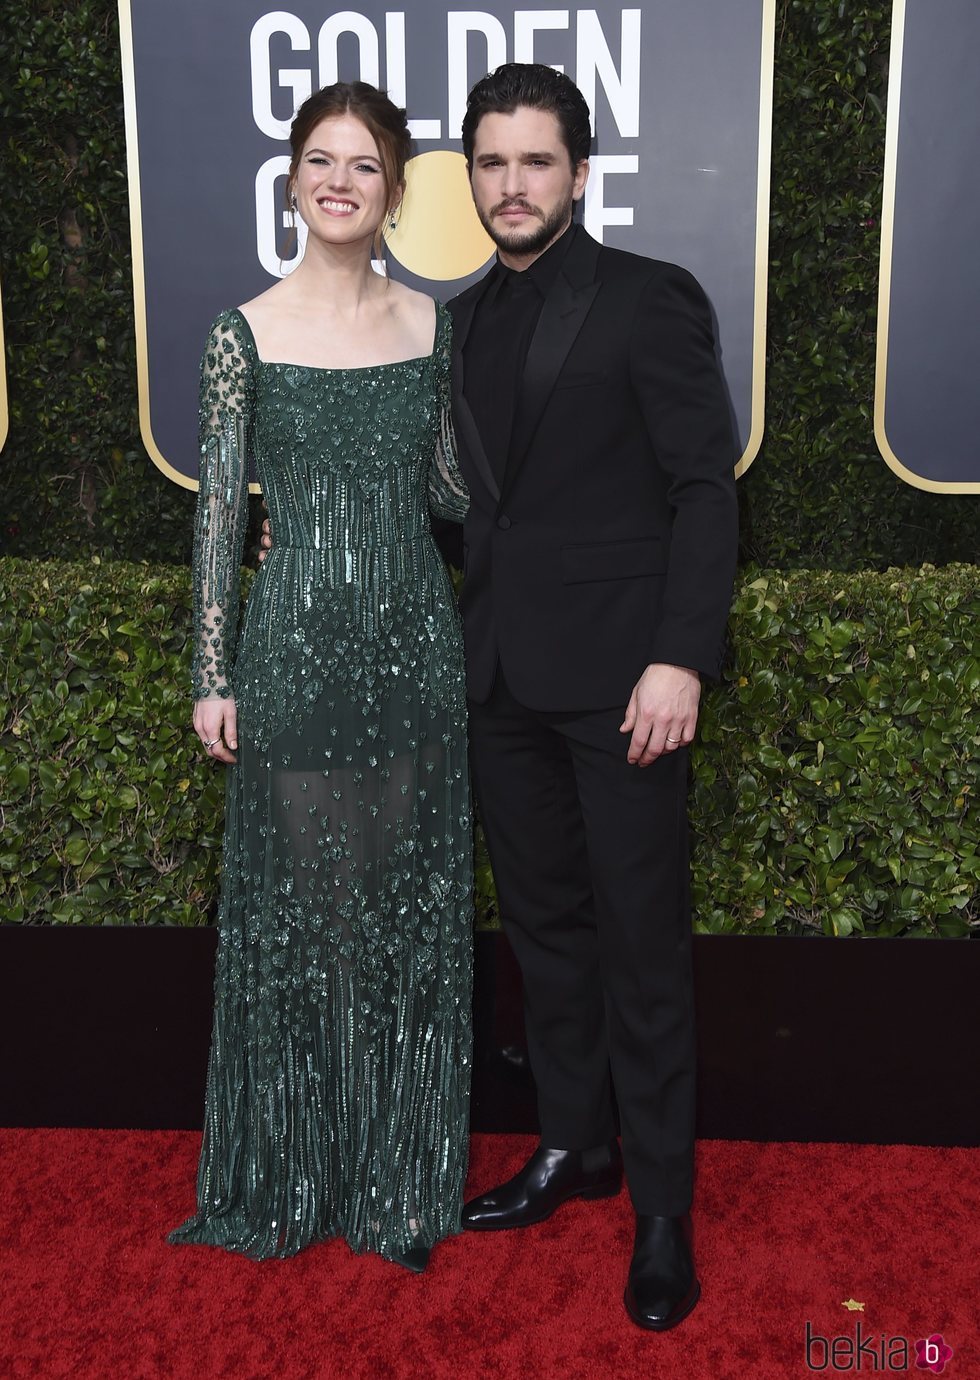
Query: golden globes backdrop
{"points": [[929, 303], [681, 101]]}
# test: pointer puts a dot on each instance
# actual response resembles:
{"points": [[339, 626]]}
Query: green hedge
{"points": [[110, 816], [78, 480], [836, 774]]}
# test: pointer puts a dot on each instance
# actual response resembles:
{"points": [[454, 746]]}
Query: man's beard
{"points": [[519, 242]]}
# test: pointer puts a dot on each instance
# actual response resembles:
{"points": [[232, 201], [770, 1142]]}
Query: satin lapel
{"points": [[472, 446], [466, 430], [562, 317]]}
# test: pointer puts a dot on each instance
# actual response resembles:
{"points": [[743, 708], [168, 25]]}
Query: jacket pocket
{"points": [[612, 560]]}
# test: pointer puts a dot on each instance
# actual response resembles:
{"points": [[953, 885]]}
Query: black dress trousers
{"points": [[590, 857]]}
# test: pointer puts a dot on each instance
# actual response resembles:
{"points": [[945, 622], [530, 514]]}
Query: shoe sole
{"points": [[662, 1327], [600, 1191]]}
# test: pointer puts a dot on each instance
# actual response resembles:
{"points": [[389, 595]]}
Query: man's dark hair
{"points": [[542, 88]]}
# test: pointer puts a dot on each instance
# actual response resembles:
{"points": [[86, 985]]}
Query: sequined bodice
{"points": [[349, 460], [339, 452]]}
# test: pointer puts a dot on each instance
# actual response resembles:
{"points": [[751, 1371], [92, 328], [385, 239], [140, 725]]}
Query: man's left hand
{"points": [[662, 713]]}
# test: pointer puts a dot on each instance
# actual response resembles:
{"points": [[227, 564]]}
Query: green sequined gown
{"points": [[338, 1080]]}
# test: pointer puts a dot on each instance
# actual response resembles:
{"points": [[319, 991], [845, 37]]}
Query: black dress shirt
{"points": [[497, 345]]}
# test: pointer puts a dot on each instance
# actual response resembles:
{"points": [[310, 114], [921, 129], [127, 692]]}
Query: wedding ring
{"points": [[210, 745], [674, 740]]}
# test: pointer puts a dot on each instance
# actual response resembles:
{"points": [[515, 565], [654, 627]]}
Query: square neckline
{"points": [[440, 315]]}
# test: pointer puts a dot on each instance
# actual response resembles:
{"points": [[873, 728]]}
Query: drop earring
{"points": [[392, 222]]}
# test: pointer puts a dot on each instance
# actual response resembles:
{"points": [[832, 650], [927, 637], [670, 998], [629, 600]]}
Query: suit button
{"points": [[503, 522]]}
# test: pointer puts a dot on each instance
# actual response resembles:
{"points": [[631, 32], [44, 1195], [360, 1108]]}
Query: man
{"points": [[599, 552]]}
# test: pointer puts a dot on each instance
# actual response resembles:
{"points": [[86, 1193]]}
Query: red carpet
{"points": [[785, 1234]]}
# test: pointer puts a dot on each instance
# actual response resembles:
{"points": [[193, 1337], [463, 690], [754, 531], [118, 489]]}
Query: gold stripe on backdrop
{"points": [[761, 239]]}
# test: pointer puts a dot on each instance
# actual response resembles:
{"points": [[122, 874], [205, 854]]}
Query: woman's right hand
{"points": [[216, 724]]}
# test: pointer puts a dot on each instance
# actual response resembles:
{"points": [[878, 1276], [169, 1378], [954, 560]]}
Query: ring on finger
{"points": [[210, 745], [675, 741]]}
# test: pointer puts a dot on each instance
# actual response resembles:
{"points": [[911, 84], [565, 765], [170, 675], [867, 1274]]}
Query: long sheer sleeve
{"points": [[448, 495], [222, 504]]}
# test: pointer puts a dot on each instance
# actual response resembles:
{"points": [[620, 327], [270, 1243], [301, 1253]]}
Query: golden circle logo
{"points": [[439, 235]]}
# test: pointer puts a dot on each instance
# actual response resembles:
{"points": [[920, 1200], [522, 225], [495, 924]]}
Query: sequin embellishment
{"points": [[338, 1079]]}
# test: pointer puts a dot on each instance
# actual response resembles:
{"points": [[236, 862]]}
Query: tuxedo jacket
{"points": [[609, 542]]}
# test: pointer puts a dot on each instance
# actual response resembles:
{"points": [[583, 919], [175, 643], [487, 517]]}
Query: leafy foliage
{"points": [[76, 474], [835, 777], [78, 478], [109, 815], [819, 494]]}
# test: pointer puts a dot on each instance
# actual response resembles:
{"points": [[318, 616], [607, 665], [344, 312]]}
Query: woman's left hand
{"points": [[216, 724]]}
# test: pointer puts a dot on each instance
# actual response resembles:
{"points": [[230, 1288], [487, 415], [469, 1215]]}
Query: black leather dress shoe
{"points": [[549, 1179], [662, 1287]]}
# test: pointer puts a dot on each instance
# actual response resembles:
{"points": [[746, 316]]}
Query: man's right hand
{"points": [[265, 540]]}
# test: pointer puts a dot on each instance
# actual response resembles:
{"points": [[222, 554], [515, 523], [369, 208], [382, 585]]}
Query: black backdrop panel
{"points": [[929, 318], [800, 1039]]}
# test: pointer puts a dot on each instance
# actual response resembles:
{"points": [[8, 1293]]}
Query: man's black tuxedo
{"points": [[610, 542], [607, 544]]}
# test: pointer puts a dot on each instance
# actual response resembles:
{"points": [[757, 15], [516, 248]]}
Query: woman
{"points": [[339, 1073]]}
